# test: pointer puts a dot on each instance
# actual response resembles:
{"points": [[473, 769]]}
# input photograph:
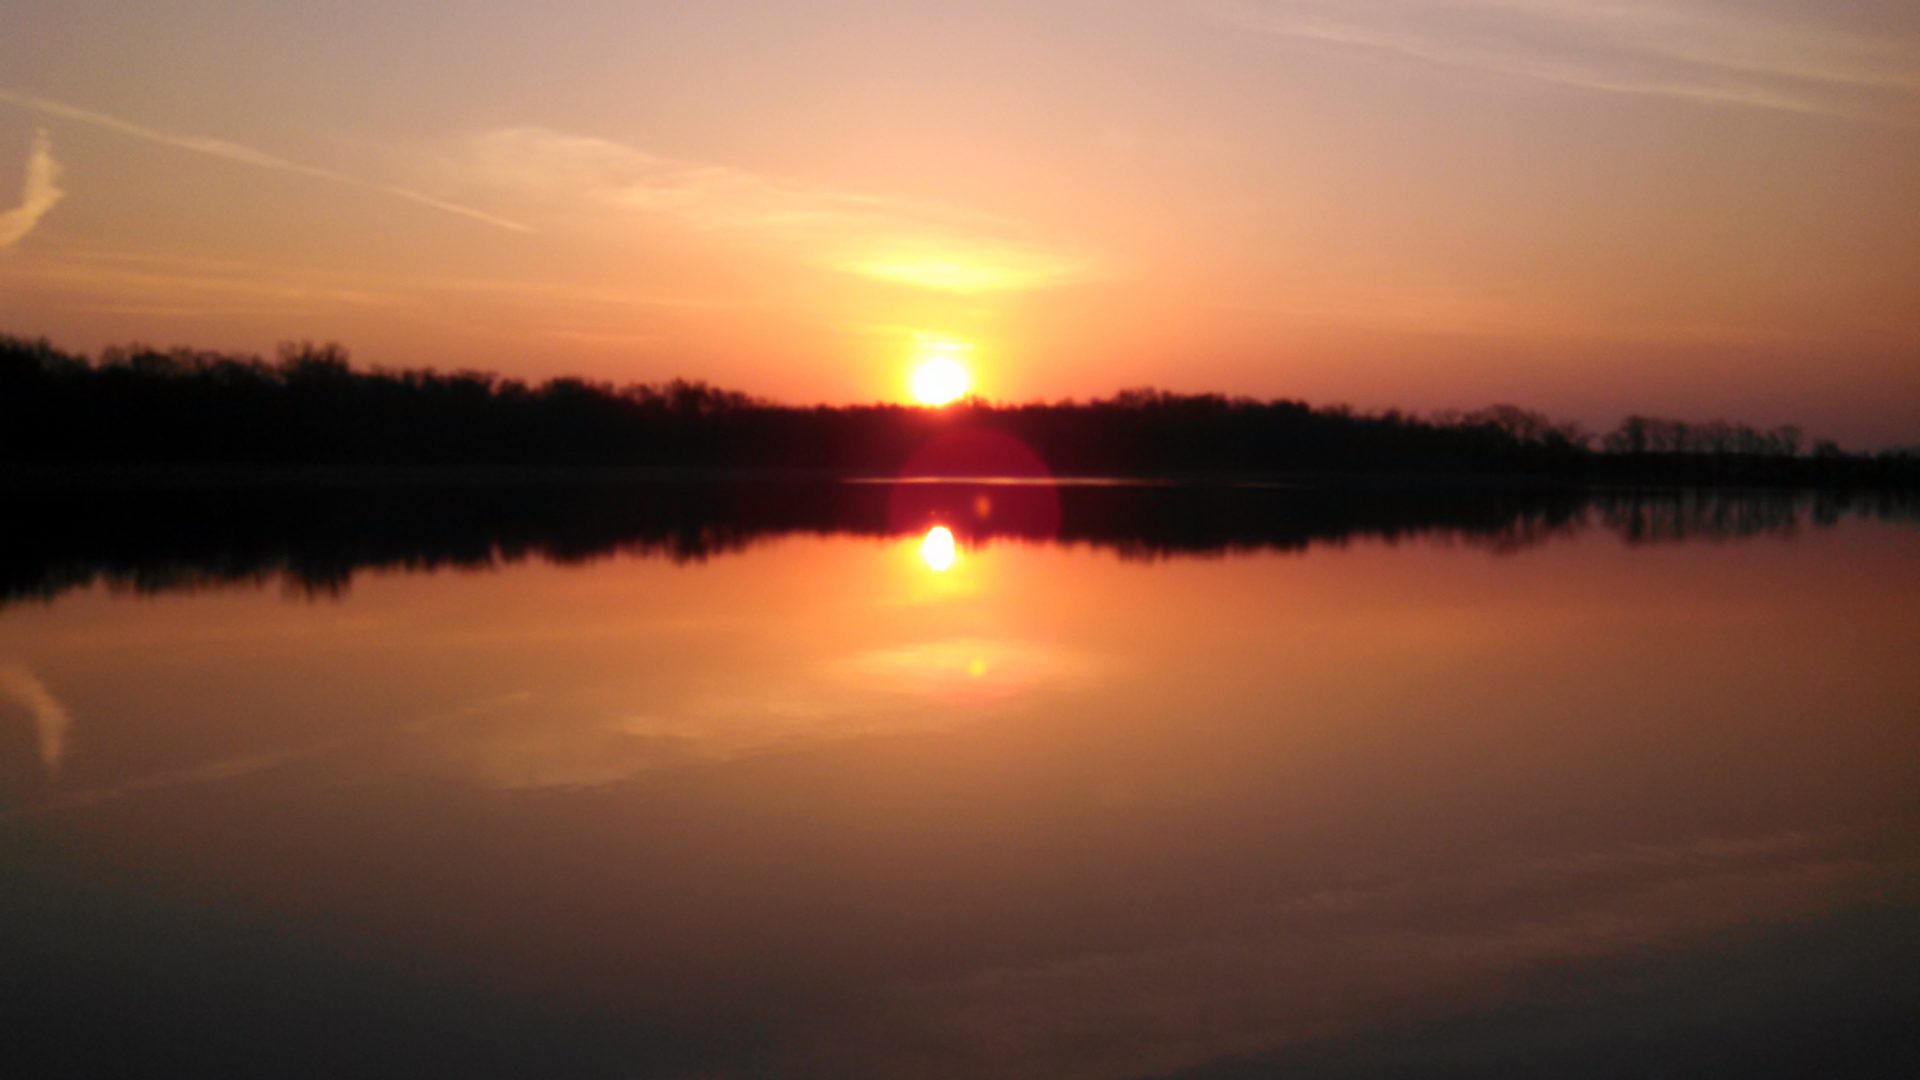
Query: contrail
{"points": [[38, 193], [245, 155]]}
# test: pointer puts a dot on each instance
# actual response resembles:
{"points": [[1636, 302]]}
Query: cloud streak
{"points": [[39, 192], [1686, 51], [913, 243], [131, 283], [247, 155]]}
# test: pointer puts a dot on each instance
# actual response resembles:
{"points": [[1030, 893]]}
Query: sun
{"points": [[938, 375]]}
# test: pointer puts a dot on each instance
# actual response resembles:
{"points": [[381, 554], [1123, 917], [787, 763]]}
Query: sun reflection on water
{"points": [[938, 550]]}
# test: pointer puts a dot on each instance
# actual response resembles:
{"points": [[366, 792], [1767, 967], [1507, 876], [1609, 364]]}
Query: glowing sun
{"points": [[938, 375]]}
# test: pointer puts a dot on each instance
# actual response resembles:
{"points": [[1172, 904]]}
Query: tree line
{"points": [[310, 406]]}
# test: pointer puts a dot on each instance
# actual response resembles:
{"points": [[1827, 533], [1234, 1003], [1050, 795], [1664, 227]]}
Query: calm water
{"points": [[960, 781]]}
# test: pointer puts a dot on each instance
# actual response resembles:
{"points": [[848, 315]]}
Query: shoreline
{"points": [[40, 477]]}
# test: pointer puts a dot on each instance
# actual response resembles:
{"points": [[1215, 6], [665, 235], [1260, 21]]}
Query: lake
{"points": [[958, 779]]}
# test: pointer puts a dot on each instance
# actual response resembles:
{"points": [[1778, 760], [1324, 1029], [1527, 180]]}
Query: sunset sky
{"points": [[1690, 208]]}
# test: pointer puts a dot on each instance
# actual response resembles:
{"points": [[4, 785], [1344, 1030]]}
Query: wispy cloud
{"points": [[38, 193], [134, 283], [910, 242], [246, 155], [190, 287], [1692, 51]]}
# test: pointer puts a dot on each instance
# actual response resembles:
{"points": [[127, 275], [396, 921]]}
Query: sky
{"points": [[1696, 209]]}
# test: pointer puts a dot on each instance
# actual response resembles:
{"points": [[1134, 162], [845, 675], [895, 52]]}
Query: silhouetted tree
{"points": [[141, 405]]}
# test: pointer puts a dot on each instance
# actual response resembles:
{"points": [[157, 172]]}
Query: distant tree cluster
{"points": [[1654, 435], [310, 406]]}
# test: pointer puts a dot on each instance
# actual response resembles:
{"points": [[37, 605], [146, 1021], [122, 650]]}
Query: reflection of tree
{"points": [[313, 538], [1656, 516], [1653, 517]]}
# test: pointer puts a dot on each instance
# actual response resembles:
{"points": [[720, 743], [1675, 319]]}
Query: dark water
{"points": [[958, 780]]}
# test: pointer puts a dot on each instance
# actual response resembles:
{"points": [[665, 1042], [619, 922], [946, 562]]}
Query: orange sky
{"points": [[1690, 208]]}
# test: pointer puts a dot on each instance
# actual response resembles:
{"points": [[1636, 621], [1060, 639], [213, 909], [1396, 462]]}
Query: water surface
{"points": [[961, 780]]}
